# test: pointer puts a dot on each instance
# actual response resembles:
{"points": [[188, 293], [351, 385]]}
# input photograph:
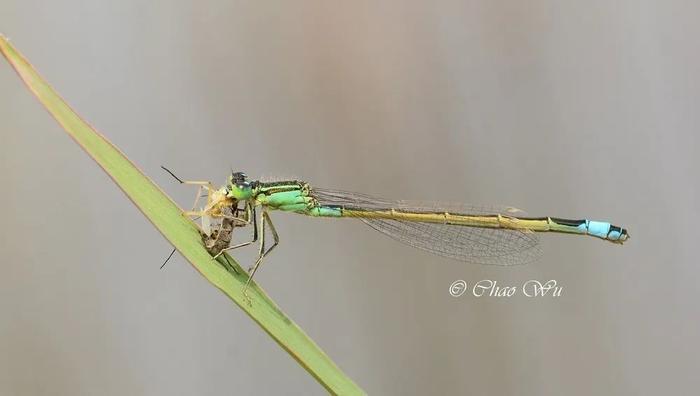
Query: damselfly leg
{"points": [[250, 215], [264, 219]]}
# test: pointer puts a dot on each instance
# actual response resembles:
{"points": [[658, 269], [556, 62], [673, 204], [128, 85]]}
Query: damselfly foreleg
{"points": [[250, 216]]}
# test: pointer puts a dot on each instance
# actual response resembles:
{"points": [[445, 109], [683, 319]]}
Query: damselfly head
{"points": [[238, 186]]}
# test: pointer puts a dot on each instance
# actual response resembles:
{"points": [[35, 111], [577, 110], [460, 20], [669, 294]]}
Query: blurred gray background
{"points": [[571, 109]]}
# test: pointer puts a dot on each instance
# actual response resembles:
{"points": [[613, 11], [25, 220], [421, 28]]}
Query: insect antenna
{"points": [[166, 260], [172, 174]]}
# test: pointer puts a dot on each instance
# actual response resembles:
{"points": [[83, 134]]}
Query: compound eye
{"points": [[238, 177]]}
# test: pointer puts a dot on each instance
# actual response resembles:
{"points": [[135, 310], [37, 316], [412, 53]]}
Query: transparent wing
{"points": [[493, 246]]}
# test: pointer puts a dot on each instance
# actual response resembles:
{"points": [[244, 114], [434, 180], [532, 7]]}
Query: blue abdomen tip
{"points": [[598, 228]]}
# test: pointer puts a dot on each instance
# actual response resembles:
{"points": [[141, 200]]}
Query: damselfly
{"points": [[484, 235]]}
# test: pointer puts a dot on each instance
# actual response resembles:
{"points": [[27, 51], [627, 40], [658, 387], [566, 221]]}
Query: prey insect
{"points": [[219, 216], [484, 235]]}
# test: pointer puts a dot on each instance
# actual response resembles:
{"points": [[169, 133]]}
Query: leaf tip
{"points": [[4, 43]]}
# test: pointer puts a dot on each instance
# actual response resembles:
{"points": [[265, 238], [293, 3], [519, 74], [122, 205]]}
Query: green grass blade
{"points": [[167, 217]]}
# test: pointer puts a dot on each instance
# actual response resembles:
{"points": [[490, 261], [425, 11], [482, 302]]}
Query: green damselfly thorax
{"points": [[484, 235]]}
